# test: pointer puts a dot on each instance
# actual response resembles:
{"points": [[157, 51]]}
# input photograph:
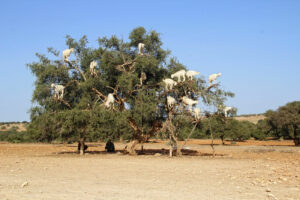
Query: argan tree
{"points": [[122, 96]]}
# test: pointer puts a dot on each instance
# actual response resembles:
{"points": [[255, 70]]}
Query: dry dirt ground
{"points": [[249, 170], [252, 118]]}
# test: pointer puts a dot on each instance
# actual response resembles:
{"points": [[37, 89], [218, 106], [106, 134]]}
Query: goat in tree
{"points": [[226, 110], [189, 102], [93, 66], [142, 78], [178, 75], [169, 83], [141, 47], [67, 53], [170, 101], [58, 91], [110, 101], [212, 78], [197, 112], [191, 73]]}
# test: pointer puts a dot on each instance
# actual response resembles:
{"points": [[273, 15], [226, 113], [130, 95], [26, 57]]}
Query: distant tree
{"points": [[263, 130], [285, 121]]}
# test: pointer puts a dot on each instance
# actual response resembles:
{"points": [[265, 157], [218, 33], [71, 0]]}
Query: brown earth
{"points": [[247, 170]]}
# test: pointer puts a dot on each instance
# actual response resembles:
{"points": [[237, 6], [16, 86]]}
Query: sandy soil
{"points": [[252, 170], [253, 118]]}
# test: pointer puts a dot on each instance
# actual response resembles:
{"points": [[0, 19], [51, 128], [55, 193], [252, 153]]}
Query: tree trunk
{"points": [[82, 142], [222, 138], [297, 141], [212, 139], [130, 147], [171, 146]]}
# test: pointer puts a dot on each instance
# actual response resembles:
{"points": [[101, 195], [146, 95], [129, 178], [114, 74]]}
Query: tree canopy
{"points": [[134, 80], [285, 121]]}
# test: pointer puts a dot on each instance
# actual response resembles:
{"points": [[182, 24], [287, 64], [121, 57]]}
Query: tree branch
{"points": [[82, 74]]}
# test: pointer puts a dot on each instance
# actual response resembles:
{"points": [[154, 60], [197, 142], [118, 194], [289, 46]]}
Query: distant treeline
{"points": [[250, 115], [14, 122], [230, 129]]}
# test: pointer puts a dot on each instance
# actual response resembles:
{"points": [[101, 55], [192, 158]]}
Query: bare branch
{"points": [[75, 67], [99, 93]]}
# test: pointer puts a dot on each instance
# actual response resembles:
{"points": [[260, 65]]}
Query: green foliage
{"points": [[13, 136], [107, 125], [3, 127], [239, 130], [263, 130], [285, 121], [81, 114], [184, 126], [228, 128]]}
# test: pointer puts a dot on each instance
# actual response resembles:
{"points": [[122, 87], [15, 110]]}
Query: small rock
{"points": [[268, 190], [157, 154], [24, 184], [118, 153]]}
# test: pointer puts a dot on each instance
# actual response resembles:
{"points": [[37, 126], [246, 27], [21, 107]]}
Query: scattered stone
{"points": [[157, 154], [268, 190], [24, 184]]}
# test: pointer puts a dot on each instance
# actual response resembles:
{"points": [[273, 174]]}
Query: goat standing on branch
{"points": [[197, 112], [58, 91], [67, 53], [212, 78], [226, 110], [93, 66], [141, 47], [169, 84], [142, 78], [190, 74], [189, 102], [178, 75], [109, 103], [170, 101]]}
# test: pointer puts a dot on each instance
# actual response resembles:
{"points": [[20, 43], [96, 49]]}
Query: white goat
{"points": [[178, 75], [197, 112], [141, 47], [93, 66], [67, 53], [109, 101], [191, 73], [226, 110], [171, 101], [169, 83], [58, 90], [188, 101], [213, 78]]}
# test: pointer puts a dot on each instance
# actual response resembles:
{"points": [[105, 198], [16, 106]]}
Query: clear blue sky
{"points": [[254, 43]]}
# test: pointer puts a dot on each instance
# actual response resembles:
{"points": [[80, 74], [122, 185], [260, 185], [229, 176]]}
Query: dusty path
{"points": [[55, 172]]}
